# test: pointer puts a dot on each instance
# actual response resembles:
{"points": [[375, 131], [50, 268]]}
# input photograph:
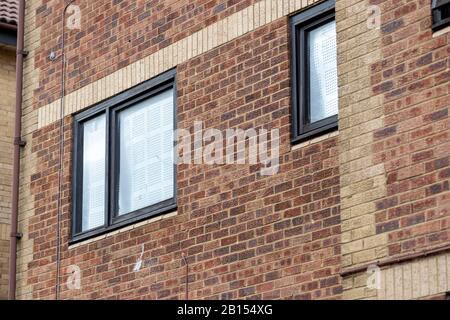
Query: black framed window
{"points": [[124, 168], [441, 14], [314, 72]]}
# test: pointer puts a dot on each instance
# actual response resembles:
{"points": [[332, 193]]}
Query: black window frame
{"points": [[111, 107], [439, 22], [300, 23]]}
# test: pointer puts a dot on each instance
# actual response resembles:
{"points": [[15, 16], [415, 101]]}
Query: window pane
{"points": [[146, 153], [323, 88], [94, 168]]}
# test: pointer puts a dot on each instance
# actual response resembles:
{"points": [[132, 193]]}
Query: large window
{"points": [[314, 71], [124, 159]]}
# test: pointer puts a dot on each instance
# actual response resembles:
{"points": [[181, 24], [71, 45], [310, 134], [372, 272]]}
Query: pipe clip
{"points": [[19, 142], [17, 235], [24, 53]]}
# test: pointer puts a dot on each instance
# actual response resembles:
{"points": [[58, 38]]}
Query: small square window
{"points": [[314, 71], [124, 169], [441, 14]]}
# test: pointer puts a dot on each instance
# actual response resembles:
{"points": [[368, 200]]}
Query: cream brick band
{"points": [[25, 250], [230, 28], [363, 181], [418, 279]]}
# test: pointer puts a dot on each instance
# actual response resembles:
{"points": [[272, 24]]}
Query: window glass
{"points": [[146, 174], [94, 168], [124, 169], [323, 81]]}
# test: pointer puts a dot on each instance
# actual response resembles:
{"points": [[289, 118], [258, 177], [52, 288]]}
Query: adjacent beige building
{"points": [[8, 22]]}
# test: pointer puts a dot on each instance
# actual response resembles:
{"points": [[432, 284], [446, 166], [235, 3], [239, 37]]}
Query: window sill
{"points": [[330, 125], [78, 243], [440, 32], [315, 140]]}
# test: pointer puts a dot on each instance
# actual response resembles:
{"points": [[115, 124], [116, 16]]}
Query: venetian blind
{"points": [[146, 153], [323, 72]]}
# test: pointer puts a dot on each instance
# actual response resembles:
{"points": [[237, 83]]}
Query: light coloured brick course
{"points": [[418, 279], [29, 126]]}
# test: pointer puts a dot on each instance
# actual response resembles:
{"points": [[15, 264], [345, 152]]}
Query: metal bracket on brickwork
{"points": [[17, 235], [20, 142], [23, 53]]}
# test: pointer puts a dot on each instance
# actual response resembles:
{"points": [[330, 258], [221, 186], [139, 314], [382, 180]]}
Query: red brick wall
{"points": [[115, 33], [414, 144], [244, 235]]}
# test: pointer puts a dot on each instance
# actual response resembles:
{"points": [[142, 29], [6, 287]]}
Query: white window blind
{"points": [[323, 89], [94, 168], [146, 153]]}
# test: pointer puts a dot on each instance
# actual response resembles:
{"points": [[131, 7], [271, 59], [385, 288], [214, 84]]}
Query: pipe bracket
{"points": [[19, 142], [24, 53], [17, 235]]}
